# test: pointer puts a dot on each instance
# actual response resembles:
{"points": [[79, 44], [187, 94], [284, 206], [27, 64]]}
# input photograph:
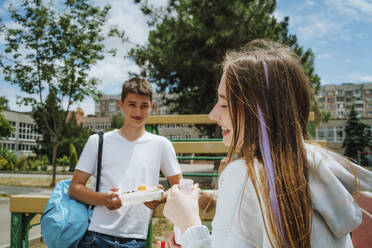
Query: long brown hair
{"points": [[283, 95]]}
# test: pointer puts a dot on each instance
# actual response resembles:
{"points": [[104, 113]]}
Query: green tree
{"points": [[52, 51], [6, 128], [189, 38], [73, 133], [117, 121], [358, 137], [73, 157]]}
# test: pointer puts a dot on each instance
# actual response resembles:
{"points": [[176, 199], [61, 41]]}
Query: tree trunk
{"points": [[54, 155]]}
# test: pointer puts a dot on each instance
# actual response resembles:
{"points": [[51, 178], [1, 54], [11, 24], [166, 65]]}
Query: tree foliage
{"points": [[51, 49], [6, 128], [73, 133], [117, 121], [358, 137], [73, 157], [189, 38]]}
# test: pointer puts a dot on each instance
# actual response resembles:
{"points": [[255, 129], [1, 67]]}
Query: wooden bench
{"points": [[27, 209]]}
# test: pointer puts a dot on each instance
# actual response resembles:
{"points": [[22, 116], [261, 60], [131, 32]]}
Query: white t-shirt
{"points": [[238, 221], [126, 165]]}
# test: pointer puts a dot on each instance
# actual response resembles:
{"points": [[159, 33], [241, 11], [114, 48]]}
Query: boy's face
{"points": [[136, 109]]}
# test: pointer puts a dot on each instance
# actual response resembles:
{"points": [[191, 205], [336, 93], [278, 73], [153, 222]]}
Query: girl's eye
{"points": [[224, 106]]}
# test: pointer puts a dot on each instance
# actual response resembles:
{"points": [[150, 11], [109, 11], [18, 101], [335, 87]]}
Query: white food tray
{"points": [[141, 196]]}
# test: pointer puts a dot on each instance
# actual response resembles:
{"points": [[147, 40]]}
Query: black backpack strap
{"points": [[99, 162]]}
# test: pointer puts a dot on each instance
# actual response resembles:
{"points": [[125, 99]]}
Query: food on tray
{"points": [[142, 187], [142, 194]]}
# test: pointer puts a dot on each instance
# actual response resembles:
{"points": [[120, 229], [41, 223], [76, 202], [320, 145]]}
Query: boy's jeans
{"points": [[99, 240]]}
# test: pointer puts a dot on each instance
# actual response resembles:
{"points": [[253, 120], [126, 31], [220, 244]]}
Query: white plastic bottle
{"points": [[186, 188]]}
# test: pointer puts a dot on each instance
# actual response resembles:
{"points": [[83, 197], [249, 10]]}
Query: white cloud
{"points": [[318, 27], [354, 9], [324, 56], [359, 77], [310, 3], [349, 61]]}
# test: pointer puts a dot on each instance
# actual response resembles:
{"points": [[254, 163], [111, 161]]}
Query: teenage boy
{"points": [[131, 157]]}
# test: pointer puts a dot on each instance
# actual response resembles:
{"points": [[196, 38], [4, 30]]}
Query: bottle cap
{"points": [[186, 183]]}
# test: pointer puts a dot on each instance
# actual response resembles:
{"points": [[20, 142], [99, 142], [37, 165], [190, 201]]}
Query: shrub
{"points": [[10, 158], [23, 164], [44, 162], [73, 158], [64, 161]]}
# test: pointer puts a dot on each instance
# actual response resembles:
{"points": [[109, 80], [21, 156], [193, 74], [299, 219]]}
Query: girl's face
{"points": [[220, 114]]}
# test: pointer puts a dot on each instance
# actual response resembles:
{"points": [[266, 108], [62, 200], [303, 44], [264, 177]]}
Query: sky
{"points": [[339, 32]]}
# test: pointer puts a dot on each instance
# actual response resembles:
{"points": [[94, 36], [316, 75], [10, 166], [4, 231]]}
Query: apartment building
{"points": [[24, 137], [107, 105], [337, 100]]}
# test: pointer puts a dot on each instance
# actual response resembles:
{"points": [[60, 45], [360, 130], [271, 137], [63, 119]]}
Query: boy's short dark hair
{"points": [[138, 86]]}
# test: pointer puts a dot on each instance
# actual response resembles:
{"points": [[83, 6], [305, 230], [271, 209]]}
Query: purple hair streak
{"points": [[264, 143]]}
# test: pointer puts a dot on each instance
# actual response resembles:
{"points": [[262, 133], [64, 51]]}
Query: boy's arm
{"points": [[174, 179], [79, 191]]}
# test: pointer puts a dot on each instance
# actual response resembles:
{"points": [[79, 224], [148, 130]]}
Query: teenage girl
{"points": [[283, 191]]}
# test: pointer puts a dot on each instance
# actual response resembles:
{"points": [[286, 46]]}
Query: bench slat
{"points": [[28, 203], [200, 147]]}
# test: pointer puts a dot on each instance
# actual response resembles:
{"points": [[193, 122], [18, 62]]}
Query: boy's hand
{"points": [[154, 204], [112, 200]]}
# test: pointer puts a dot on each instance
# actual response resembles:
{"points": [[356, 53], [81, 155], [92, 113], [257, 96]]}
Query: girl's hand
{"points": [[182, 209]]}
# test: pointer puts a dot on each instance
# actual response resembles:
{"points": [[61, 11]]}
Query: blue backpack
{"points": [[65, 220]]}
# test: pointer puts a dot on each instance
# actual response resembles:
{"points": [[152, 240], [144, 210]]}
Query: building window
{"points": [[340, 114], [330, 93], [361, 105], [331, 100], [330, 134], [348, 99], [331, 107], [358, 92], [339, 133], [320, 133], [339, 92], [339, 99]]}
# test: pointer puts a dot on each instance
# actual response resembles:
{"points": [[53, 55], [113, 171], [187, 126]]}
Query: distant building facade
{"points": [[337, 100], [24, 137], [107, 106]]}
